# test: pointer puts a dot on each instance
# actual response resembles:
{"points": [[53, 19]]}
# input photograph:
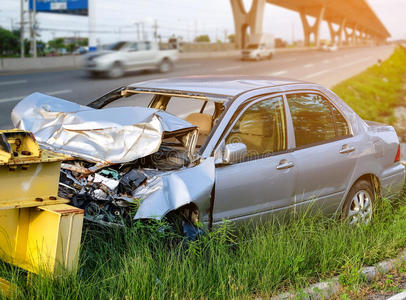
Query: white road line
{"points": [[13, 82], [337, 68], [13, 99], [188, 66], [228, 68], [288, 60], [309, 65], [279, 73]]}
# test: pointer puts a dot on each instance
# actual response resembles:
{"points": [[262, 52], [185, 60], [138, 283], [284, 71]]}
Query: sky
{"points": [[115, 19]]}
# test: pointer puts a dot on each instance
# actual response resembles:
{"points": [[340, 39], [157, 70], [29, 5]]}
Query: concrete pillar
{"points": [[334, 34], [351, 36], [354, 36], [308, 30], [253, 19]]}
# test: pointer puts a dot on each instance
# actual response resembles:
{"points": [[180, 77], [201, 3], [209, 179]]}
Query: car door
{"points": [[137, 55], [324, 153], [261, 182]]}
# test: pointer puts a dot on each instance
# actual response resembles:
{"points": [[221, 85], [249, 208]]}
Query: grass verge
{"points": [[138, 263], [374, 93]]}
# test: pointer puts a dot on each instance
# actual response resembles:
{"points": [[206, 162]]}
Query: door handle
{"points": [[346, 149], [284, 164]]}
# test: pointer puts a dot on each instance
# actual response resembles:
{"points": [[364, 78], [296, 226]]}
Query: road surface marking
{"points": [[279, 73], [288, 60], [13, 99], [13, 82], [188, 66], [337, 68], [309, 65], [228, 68]]}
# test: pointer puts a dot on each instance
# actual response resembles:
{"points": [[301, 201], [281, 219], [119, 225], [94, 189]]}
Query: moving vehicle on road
{"points": [[215, 148], [260, 46], [124, 56]]}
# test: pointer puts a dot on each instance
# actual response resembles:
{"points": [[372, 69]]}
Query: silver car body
{"points": [[320, 174], [295, 179]]}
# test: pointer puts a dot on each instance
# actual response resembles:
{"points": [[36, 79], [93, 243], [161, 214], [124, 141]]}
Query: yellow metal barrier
{"points": [[38, 230]]}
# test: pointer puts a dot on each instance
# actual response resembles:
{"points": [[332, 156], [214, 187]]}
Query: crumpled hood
{"points": [[111, 135]]}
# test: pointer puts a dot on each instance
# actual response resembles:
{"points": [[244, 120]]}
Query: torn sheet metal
{"points": [[114, 135], [170, 191]]}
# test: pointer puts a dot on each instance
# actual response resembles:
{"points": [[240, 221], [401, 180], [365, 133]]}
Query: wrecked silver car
{"points": [[215, 148]]}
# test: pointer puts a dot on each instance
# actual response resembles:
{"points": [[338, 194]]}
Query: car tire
{"points": [[270, 56], [165, 66], [93, 74], [258, 58], [359, 204], [116, 70]]}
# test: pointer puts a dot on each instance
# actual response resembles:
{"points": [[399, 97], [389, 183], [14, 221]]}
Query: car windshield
{"points": [[200, 112], [252, 46], [116, 46]]}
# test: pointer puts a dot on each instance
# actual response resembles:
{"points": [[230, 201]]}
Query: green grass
{"points": [[374, 93], [139, 263]]}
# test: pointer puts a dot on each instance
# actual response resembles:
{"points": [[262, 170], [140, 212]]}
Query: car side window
{"points": [[142, 46], [262, 128], [312, 117], [341, 123], [134, 47]]}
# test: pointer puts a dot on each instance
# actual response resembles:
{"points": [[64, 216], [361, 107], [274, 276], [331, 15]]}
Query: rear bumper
{"points": [[393, 180]]}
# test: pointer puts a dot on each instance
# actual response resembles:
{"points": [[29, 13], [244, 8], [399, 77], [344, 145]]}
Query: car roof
{"points": [[220, 86]]}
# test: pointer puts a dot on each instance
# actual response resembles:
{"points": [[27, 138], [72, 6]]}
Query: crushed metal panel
{"points": [[169, 191], [114, 135]]}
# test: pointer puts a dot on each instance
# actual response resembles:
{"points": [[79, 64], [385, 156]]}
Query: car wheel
{"points": [[358, 206], [270, 56], [93, 74], [165, 66], [258, 58], [116, 70]]}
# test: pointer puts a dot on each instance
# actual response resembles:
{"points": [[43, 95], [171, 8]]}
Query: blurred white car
{"points": [[124, 56], [329, 48]]}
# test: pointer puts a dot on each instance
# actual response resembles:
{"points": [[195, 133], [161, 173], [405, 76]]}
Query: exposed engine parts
{"points": [[111, 195]]}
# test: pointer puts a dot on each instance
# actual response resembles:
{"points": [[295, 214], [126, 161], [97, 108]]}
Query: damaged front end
{"points": [[128, 163]]}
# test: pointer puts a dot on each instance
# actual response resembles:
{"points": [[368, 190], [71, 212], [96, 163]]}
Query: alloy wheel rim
{"points": [[360, 210]]}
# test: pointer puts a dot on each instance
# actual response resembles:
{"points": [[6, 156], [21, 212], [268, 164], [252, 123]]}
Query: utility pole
{"points": [[12, 23], [34, 28], [195, 30], [155, 30], [30, 29], [22, 28], [138, 29]]}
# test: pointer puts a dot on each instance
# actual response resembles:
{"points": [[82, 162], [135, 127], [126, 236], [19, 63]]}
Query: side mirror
{"points": [[234, 152]]}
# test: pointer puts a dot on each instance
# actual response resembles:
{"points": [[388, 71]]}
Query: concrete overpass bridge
{"points": [[349, 21]]}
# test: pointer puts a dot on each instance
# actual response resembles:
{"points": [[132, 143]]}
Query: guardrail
{"points": [[74, 61]]}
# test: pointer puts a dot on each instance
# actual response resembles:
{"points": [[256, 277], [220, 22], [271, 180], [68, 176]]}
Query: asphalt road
{"points": [[315, 66]]}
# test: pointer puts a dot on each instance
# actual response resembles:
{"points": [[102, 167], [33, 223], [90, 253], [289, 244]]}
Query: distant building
{"points": [[72, 40]]}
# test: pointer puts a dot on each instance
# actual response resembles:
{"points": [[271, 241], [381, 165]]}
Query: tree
{"points": [[57, 43], [204, 38], [231, 38], [9, 42], [84, 42]]}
